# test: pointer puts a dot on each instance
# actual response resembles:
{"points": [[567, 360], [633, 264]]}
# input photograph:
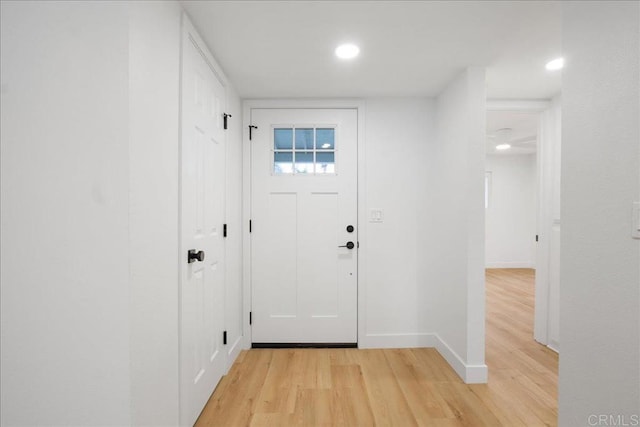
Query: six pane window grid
{"points": [[304, 150]]}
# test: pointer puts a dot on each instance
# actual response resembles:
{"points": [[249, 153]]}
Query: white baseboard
{"points": [[470, 374], [413, 340], [234, 351], [554, 345], [510, 265]]}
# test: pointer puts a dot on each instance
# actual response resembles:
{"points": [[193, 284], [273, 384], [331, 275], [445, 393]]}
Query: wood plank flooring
{"points": [[400, 387]]}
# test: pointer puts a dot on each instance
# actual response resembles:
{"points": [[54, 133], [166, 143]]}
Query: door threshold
{"points": [[303, 345]]}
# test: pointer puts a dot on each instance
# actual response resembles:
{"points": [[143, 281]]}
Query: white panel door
{"points": [[202, 359], [304, 202]]}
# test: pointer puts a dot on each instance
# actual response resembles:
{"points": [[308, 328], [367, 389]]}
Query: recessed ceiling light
{"points": [[347, 51], [556, 64], [326, 145], [503, 147]]}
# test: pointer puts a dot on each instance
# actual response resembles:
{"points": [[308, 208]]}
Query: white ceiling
{"points": [[408, 48], [523, 134]]}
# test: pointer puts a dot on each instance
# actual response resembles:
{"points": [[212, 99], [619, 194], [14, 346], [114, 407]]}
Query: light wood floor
{"points": [[400, 387]]}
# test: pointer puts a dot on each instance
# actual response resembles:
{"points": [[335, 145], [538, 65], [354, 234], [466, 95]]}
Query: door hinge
{"points": [[224, 338], [536, 237], [249, 226], [224, 230], [224, 116], [250, 318], [251, 128]]}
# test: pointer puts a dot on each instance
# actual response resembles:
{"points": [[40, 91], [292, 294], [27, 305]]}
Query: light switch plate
{"points": [[635, 232], [375, 215]]}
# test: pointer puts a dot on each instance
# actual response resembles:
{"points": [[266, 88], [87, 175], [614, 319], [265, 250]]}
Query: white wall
{"points": [[454, 260], [422, 267], [392, 279], [65, 213], [600, 262], [90, 118], [511, 215], [154, 67]]}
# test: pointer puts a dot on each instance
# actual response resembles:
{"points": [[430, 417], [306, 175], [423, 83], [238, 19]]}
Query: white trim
{"points": [[511, 264], [246, 217], [248, 105], [543, 198], [303, 103], [191, 33], [234, 351], [470, 374], [530, 105], [404, 340], [548, 138], [362, 223]]}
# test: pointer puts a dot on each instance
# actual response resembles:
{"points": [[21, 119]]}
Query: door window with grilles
{"points": [[304, 150]]}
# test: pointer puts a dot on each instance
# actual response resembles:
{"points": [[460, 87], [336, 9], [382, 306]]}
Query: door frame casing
{"points": [[544, 208], [247, 106]]}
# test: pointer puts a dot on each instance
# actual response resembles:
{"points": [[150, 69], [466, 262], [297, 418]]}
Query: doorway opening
{"points": [[522, 199]]}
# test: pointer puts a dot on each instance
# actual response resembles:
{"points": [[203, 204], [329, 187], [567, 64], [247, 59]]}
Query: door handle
{"points": [[349, 245], [193, 256]]}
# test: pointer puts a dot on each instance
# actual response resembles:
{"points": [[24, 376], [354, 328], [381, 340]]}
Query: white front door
{"points": [[304, 231], [202, 359]]}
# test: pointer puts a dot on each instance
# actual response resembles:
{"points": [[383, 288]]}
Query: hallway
{"points": [[400, 387]]}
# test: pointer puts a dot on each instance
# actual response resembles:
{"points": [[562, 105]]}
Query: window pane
{"points": [[304, 139], [304, 162], [325, 162], [282, 163], [283, 139], [325, 139]]}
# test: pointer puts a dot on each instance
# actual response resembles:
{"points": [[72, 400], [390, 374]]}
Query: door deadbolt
{"points": [[350, 228]]}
